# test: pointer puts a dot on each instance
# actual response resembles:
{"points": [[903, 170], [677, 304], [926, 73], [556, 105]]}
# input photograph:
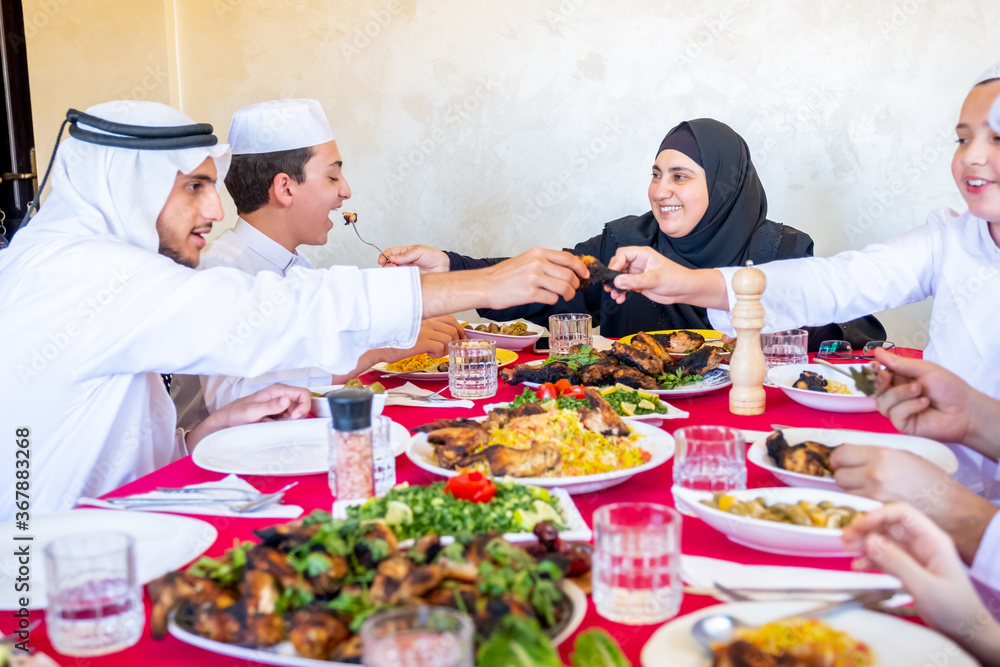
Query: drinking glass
{"points": [[567, 330], [841, 349], [472, 368], [637, 563], [418, 636], [383, 456], [710, 458], [95, 604], [785, 347]]}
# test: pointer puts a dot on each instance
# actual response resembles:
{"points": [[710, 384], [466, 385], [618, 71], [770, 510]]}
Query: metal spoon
{"points": [[720, 628]]}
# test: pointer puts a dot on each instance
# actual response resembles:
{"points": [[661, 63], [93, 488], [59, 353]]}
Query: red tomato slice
{"points": [[547, 391], [471, 486], [575, 392], [562, 385]]}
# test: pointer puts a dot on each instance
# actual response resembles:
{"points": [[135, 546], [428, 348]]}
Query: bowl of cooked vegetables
{"points": [[781, 520], [820, 387], [321, 408], [515, 335]]}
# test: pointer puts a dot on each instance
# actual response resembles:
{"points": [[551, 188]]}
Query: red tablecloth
{"points": [[312, 492]]}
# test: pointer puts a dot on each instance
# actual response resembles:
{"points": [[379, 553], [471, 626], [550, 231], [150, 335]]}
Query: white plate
{"points": [[784, 377], [712, 381], [298, 447], [933, 451], [771, 536], [321, 407], [576, 528], [504, 358], [163, 542], [895, 642], [505, 341], [657, 442], [284, 653]]}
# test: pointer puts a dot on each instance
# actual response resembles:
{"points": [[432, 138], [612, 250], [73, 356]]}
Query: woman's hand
{"points": [[277, 402], [901, 541], [425, 258]]}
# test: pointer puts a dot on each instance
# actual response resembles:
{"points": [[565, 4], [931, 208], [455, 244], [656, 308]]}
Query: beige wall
{"points": [[491, 127]]}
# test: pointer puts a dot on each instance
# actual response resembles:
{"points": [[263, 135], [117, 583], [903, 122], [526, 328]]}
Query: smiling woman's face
{"points": [[678, 193]]}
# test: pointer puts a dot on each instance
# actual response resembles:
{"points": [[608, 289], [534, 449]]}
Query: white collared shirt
{"points": [[248, 249], [952, 258]]}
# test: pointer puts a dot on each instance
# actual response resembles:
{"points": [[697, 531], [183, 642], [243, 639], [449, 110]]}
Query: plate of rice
{"points": [[841, 394], [854, 638], [425, 367]]}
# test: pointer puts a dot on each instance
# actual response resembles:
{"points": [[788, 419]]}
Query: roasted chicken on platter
{"points": [[313, 582]]}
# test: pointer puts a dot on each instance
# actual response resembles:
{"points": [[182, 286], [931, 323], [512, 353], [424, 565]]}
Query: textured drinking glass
{"points": [[785, 347], [383, 456], [637, 563], [418, 636], [710, 458], [841, 349], [95, 605], [567, 330], [472, 368]]}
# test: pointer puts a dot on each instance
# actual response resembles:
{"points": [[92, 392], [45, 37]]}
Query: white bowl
{"points": [[771, 536], [933, 451], [784, 377], [505, 341], [321, 407]]}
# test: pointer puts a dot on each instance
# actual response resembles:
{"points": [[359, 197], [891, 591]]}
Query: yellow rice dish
{"points": [[810, 641], [415, 363], [583, 452]]}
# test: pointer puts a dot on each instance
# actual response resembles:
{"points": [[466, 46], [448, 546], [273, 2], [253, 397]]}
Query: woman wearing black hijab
{"points": [[708, 210]]}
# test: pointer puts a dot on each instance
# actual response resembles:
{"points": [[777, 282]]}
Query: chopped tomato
{"points": [[471, 486], [547, 391], [575, 391], [562, 385]]}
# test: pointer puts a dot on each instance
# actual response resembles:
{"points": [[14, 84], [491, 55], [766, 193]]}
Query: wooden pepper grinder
{"points": [[747, 366]]}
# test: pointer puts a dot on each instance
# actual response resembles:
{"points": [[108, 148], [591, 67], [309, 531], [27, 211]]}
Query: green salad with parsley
{"points": [[415, 511]]}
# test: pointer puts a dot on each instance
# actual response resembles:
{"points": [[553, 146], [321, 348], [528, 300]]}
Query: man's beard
{"points": [[177, 256]]}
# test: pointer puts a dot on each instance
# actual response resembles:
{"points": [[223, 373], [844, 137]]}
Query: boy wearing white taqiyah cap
{"points": [[286, 178]]}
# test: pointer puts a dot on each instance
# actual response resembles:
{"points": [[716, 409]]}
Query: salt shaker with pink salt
{"points": [[351, 452]]}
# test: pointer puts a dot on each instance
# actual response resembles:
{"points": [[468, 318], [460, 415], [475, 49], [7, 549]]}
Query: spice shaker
{"points": [[351, 453]]}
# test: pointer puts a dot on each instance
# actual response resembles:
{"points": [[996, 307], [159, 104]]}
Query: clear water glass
{"points": [[95, 603], [637, 563], [418, 636], [567, 330], [785, 347], [384, 458], [710, 458], [472, 368]]}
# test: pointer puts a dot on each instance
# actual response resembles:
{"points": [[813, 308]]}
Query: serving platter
{"points": [[507, 341], [163, 542], [771, 536], [895, 642], [504, 358], [784, 377], [711, 381], [656, 441], [285, 654], [576, 529], [283, 448], [933, 451]]}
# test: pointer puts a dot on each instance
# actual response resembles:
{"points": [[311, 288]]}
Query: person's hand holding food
{"points": [[897, 475], [539, 275], [901, 541], [425, 258], [664, 281]]}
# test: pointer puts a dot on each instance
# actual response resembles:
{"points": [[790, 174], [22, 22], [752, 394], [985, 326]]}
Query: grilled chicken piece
{"points": [[266, 559], [349, 651], [776, 444], [467, 571], [643, 341], [699, 362], [601, 417], [419, 581], [541, 374], [379, 530], [809, 458], [453, 444], [599, 273], [174, 588], [541, 457], [811, 381], [633, 356], [235, 625], [396, 567], [447, 423], [634, 378], [600, 373], [426, 549], [259, 592], [315, 634], [742, 653], [447, 596], [681, 341], [328, 584], [384, 589], [500, 417], [286, 536]]}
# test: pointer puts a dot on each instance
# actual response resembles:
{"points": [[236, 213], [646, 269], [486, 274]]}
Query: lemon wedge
{"points": [[646, 405], [607, 391], [628, 408], [398, 513]]}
